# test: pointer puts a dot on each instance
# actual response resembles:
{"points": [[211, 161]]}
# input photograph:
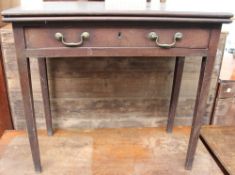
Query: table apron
{"points": [[114, 52]]}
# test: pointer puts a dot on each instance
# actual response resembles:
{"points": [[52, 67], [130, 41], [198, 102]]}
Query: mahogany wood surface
{"points": [[35, 28], [5, 113], [26, 86], [202, 93], [116, 35]]}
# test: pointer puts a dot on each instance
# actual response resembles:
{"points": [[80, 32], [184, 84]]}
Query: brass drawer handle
{"points": [[60, 37], [153, 36]]}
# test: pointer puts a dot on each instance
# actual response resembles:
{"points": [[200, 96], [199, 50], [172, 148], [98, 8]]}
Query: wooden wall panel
{"points": [[5, 114], [108, 92]]}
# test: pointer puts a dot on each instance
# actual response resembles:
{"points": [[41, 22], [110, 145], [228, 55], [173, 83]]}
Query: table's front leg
{"points": [[207, 66], [179, 66], [26, 87], [27, 94], [45, 94]]}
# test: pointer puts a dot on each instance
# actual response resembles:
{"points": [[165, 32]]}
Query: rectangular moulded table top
{"points": [[96, 29]]}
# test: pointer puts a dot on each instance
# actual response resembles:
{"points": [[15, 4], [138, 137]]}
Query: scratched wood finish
{"points": [[95, 90], [124, 151], [221, 142]]}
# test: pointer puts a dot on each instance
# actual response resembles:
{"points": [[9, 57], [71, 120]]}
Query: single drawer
{"points": [[226, 89], [116, 37]]}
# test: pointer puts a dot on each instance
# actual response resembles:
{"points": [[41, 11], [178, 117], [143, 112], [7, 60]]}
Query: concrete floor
{"points": [[145, 151]]}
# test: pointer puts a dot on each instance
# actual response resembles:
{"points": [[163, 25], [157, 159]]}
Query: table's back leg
{"points": [[202, 96], [45, 94], [179, 66]]}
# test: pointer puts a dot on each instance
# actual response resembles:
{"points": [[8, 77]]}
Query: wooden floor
{"points": [[221, 141], [146, 151]]}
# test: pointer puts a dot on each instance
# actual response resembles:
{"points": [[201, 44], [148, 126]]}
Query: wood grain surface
{"points": [[221, 142], [103, 36], [145, 151]]}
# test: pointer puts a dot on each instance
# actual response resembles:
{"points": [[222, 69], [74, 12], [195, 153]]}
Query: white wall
{"points": [[27, 3]]}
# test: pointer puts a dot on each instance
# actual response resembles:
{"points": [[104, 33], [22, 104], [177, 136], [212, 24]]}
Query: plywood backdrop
{"points": [[108, 92]]}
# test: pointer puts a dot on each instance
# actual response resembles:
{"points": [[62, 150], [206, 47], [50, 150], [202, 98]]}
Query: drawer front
{"points": [[116, 37], [227, 89]]}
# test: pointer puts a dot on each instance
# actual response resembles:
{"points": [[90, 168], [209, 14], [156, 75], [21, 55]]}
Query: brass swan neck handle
{"points": [[60, 37], [155, 37]]}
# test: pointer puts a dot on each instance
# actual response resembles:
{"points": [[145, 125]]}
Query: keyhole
{"points": [[119, 35]]}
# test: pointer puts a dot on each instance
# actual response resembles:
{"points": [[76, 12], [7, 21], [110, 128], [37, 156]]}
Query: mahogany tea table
{"points": [[91, 29]]}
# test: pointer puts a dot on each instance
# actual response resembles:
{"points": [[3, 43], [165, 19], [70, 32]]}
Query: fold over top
{"points": [[85, 10]]}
